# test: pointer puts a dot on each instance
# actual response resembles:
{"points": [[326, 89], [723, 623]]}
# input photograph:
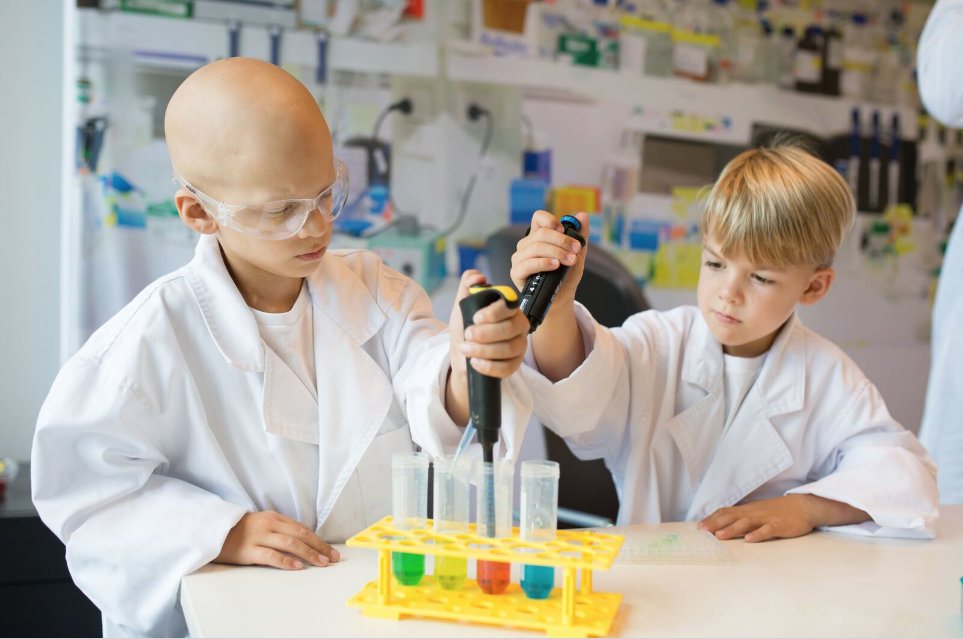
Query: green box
{"points": [[166, 8], [420, 256], [581, 49]]}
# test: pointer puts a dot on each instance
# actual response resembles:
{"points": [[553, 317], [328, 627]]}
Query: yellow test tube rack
{"points": [[567, 612]]}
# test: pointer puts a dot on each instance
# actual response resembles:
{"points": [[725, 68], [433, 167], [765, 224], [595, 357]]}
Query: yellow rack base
{"points": [[593, 616], [567, 612]]}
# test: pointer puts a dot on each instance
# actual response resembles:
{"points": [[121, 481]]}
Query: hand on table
{"points": [[268, 538], [780, 518]]}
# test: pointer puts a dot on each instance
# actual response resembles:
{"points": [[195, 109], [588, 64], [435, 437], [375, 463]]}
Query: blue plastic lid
{"points": [[573, 221], [859, 18]]}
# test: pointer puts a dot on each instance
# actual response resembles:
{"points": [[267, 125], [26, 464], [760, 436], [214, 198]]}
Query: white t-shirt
{"points": [[291, 336], [739, 374]]}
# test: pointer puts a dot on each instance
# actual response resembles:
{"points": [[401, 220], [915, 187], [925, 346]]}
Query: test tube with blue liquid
{"points": [[409, 496], [539, 521], [452, 488], [494, 510]]}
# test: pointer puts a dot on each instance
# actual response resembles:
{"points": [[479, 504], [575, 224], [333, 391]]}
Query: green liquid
{"points": [[408, 568], [451, 572]]}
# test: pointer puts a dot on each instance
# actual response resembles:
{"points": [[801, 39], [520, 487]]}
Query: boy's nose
{"points": [[729, 292], [315, 226]]}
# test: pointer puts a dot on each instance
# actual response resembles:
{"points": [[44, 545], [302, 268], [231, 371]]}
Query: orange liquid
{"points": [[493, 576]]}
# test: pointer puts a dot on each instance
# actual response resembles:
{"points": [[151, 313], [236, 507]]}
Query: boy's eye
{"points": [[713, 265], [761, 279], [280, 212]]}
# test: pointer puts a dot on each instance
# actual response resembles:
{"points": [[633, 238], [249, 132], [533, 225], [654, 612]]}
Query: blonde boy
{"points": [[732, 414]]}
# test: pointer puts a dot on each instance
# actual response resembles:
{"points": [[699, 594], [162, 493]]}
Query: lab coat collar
{"points": [[335, 290], [226, 314], [782, 380], [340, 293], [751, 438]]}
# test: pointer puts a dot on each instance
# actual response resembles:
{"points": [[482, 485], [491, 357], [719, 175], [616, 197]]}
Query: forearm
{"points": [[827, 512], [557, 344], [456, 397]]}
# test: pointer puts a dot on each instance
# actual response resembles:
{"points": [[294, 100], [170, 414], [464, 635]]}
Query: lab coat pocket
{"points": [[374, 472]]}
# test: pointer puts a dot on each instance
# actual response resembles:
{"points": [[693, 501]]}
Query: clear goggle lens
{"points": [[280, 219]]}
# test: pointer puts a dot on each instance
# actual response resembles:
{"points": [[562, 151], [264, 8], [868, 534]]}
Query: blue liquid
{"points": [[538, 581]]}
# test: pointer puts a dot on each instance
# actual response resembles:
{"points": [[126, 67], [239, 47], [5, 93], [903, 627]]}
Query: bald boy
{"points": [[245, 408]]}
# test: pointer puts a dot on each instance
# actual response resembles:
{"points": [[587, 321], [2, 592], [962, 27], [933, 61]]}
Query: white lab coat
{"points": [[811, 423], [175, 419], [940, 63]]}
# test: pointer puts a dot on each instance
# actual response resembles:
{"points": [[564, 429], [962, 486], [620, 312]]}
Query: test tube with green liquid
{"points": [[409, 493]]}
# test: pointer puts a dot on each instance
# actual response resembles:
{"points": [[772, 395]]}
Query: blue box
{"points": [[524, 198], [644, 235], [537, 165]]}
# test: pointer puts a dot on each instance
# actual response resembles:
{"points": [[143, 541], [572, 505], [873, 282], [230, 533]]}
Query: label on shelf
{"points": [[691, 60], [632, 53], [809, 67]]}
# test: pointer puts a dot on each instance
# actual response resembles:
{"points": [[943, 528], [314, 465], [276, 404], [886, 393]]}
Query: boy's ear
{"points": [[819, 284], [193, 214]]}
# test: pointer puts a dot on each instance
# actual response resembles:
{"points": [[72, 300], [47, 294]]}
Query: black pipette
{"points": [[484, 392], [541, 288]]}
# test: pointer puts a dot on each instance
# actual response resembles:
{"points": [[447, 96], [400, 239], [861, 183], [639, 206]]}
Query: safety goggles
{"points": [[280, 219]]}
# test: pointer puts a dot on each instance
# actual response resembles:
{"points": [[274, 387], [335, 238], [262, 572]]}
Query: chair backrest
{"points": [[612, 295]]}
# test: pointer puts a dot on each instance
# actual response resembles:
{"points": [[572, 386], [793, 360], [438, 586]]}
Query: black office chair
{"points": [[612, 295]]}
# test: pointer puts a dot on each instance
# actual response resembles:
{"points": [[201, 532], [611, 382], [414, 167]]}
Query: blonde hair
{"points": [[779, 206]]}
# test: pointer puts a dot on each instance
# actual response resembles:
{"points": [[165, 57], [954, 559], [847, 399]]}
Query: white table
{"points": [[816, 586]]}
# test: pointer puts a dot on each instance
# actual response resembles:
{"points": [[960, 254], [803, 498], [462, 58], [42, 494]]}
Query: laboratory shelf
{"points": [[674, 107], [671, 107], [567, 612], [177, 43]]}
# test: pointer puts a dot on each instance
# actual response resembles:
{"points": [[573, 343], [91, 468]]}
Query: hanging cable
{"points": [[474, 112]]}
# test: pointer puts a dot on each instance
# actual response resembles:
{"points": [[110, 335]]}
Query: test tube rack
{"points": [[567, 612]]}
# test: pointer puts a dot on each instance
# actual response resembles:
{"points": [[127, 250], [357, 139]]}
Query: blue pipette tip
{"points": [[573, 221]]}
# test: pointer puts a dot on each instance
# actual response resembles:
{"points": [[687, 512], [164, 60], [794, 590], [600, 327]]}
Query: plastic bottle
{"points": [[832, 60], [747, 38], [645, 45], [786, 59], [767, 56], [696, 42], [809, 61], [859, 59]]}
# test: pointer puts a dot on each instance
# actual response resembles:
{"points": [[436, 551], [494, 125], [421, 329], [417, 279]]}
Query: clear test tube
{"points": [[539, 521], [494, 519], [409, 493], [452, 489]]}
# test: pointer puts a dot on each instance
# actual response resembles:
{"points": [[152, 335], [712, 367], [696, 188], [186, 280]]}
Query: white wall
{"points": [[31, 95]]}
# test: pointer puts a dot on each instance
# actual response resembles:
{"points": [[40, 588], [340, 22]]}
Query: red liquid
{"points": [[493, 576]]}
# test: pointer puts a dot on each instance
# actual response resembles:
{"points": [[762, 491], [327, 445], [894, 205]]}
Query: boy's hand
{"points": [[557, 344], [496, 345], [267, 538], [780, 518], [545, 249]]}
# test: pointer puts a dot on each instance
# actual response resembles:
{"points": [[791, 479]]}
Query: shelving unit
{"points": [[669, 107], [179, 43], [661, 102]]}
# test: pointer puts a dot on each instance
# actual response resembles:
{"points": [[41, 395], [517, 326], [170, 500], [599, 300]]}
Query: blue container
{"points": [[524, 198], [538, 165]]}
